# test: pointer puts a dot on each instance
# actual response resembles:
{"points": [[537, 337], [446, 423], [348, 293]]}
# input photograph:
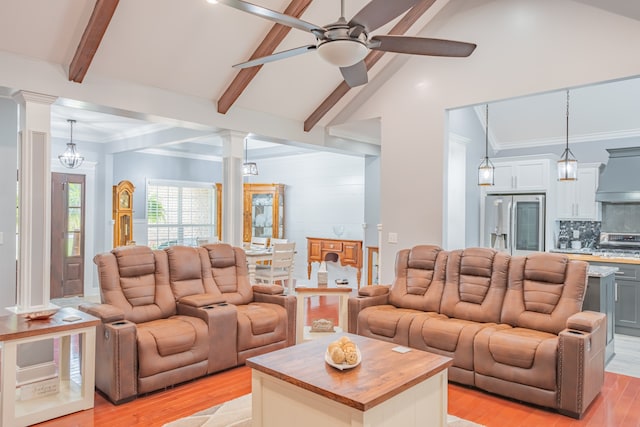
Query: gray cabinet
{"points": [[627, 298], [600, 296]]}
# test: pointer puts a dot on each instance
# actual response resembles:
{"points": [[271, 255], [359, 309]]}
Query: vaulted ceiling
{"points": [[189, 47]]}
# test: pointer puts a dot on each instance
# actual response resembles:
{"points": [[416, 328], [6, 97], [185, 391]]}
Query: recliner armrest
{"points": [[201, 300], [373, 290], [289, 304], [106, 312], [587, 321], [268, 289]]}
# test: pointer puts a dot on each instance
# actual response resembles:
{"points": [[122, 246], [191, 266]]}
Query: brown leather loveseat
{"points": [[512, 325], [172, 315]]}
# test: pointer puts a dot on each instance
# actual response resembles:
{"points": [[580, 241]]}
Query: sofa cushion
{"points": [[539, 305], [419, 278], [260, 324], [386, 322], [172, 343], [475, 284], [517, 355], [134, 261]]}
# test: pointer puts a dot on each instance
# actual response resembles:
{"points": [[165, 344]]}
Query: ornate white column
{"points": [[232, 188], [34, 207]]}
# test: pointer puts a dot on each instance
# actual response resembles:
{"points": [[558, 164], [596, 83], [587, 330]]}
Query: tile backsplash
{"points": [[588, 233]]}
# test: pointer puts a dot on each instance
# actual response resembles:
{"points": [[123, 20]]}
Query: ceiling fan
{"points": [[345, 44]]}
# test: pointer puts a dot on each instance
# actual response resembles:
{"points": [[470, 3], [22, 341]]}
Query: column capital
{"points": [[24, 96]]}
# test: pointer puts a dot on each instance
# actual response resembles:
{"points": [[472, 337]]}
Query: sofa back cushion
{"points": [[544, 289], [475, 285], [229, 273], [189, 271], [136, 280], [419, 278]]}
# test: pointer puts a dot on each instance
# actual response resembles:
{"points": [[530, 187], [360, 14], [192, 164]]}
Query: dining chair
{"points": [[281, 267], [259, 242], [274, 241]]}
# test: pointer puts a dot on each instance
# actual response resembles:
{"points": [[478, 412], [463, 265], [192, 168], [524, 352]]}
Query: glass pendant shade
{"points": [[567, 165], [486, 169], [485, 172], [71, 158], [248, 168]]}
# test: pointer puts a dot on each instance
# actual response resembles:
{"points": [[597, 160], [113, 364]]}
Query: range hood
{"points": [[620, 180]]}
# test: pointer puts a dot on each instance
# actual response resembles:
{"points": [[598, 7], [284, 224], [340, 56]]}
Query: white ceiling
{"points": [[189, 47]]}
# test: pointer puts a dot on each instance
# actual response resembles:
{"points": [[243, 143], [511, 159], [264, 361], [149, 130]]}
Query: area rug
{"points": [[237, 413]]}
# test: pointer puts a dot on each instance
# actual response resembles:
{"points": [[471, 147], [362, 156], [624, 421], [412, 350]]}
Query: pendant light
{"points": [[248, 168], [71, 158], [486, 168], [567, 165]]}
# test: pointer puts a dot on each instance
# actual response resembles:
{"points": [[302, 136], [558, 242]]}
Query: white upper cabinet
{"points": [[577, 199], [521, 175]]}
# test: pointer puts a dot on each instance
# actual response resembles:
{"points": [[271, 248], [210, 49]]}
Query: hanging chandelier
{"points": [[248, 168], [71, 158], [567, 165], [486, 169]]}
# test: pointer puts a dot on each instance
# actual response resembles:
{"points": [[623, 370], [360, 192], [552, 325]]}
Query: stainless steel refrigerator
{"points": [[514, 223]]}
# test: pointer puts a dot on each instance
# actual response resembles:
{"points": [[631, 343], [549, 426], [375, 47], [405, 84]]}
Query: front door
{"points": [[67, 235]]}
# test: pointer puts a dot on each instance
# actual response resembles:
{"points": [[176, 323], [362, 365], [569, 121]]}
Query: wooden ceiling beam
{"points": [[276, 34], [91, 38], [410, 18]]}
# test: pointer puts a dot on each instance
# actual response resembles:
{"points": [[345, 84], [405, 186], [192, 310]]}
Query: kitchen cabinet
{"points": [[627, 298], [577, 199], [263, 211], [520, 175]]}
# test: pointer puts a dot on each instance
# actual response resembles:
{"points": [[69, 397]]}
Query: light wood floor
{"points": [[617, 405]]}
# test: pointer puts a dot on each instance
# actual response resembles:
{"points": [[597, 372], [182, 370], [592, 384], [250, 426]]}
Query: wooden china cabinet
{"points": [[123, 214], [263, 211]]}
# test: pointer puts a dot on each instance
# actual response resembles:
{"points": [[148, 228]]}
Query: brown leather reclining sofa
{"points": [[172, 315], [512, 325]]}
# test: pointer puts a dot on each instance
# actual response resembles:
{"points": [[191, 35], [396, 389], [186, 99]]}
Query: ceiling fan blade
{"points": [[276, 56], [272, 15], [421, 46], [355, 75], [378, 12]]}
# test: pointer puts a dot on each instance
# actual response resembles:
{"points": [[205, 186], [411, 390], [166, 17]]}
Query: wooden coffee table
{"points": [[296, 387]]}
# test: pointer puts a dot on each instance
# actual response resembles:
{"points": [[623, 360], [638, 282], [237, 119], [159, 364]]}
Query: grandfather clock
{"points": [[123, 214]]}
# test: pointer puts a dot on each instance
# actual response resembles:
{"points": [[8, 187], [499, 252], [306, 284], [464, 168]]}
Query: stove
{"points": [[619, 245]]}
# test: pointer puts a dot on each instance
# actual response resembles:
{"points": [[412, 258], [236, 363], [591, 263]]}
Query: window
{"points": [[182, 213]]}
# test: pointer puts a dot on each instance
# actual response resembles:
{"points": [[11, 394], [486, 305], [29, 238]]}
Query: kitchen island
{"points": [[626, 289]]}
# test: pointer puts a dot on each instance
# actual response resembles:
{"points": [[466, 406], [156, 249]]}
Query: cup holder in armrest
{"points": [[222, 304], [208, 307], [119, 323], [573, 331]]}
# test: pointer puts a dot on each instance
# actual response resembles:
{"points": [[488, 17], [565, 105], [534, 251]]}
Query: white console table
{"points": [[71, 395]]}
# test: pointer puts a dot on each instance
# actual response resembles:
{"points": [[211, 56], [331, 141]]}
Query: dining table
{"points": [[254, 256]]}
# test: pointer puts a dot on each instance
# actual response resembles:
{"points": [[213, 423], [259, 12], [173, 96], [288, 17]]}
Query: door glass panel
{"points": [[262, 215], [74, 220], [527, 228]]}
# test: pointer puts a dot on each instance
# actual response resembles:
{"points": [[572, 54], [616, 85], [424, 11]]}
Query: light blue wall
{"points": [[464, 122], [140, 167], [8, 168]]}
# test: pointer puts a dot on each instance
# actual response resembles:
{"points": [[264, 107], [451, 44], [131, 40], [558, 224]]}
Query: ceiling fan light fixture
{"points": [[71, 158], [343, 53]]}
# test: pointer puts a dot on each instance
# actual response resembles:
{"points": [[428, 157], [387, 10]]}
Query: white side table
{"points": [[17, 410], [303, 292]]}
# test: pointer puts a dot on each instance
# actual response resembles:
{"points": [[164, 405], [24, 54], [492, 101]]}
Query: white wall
{"points": [[524, 47], [322, 190]]}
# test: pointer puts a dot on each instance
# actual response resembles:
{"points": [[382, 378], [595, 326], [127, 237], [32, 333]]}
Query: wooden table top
{"points": [[382, 374], [16, 326], [324, 289]]}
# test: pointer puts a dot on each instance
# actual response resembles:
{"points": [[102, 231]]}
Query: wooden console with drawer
{"points": [[349, 252]]}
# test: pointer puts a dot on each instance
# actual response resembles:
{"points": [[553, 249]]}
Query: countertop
{"points": [[583, 255], [601, 270]]}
